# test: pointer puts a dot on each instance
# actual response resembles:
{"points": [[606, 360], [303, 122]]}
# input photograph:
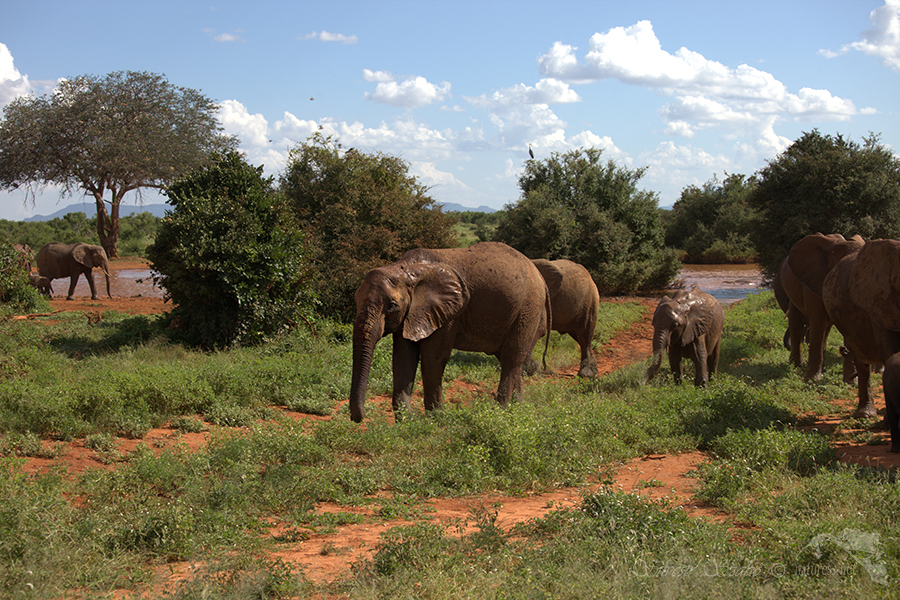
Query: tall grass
{"points": [[113, 529]]}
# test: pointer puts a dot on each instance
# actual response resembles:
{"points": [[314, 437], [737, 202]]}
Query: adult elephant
{"points": [[801, 276], [486, 298], [574, 302], [56, 260], [862, 295], [688, 325]]}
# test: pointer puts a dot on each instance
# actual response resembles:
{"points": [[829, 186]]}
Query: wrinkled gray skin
{"points": [[486, 298], [41, 284], [862, 295], [56, 260], [574, 302], [801, 276], [688, 325]]}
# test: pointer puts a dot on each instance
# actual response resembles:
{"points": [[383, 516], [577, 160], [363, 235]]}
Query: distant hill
{"points": [[157, 210], [451, 207]]}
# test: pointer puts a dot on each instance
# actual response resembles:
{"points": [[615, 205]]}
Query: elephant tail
{"points": [[549, 326]]}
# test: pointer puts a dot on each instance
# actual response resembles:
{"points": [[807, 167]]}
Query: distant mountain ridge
{"points": [[159, 210], [90, 210]]}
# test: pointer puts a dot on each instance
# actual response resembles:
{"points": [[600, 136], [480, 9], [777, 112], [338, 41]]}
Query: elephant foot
{"points": [[865, 412], [588, 371], [70, 297]]}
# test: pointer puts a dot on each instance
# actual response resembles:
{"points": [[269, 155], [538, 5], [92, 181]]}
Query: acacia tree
{"points": [[106, 137], [825, 184], [577, 207]]}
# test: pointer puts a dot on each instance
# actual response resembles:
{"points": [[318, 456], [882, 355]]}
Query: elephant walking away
{"points": [[56, 260], [800, 278], [574, 302], [688, 325], [861, 294], [486, 298]]}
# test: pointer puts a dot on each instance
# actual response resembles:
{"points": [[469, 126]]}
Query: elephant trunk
{"points": [[660, 343], [367, 330]]}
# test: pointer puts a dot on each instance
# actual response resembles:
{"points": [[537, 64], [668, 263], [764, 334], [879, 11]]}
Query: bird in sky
{"points": [[530, 153]]}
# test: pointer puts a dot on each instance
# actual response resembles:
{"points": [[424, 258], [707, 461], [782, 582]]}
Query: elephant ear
{"points": [[699, 316], [875, 282], [552, 275], [809, 259], [438, 296], [82, 254]]}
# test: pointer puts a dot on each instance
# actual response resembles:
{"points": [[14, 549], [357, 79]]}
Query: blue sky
{"points": [[691, 89]]}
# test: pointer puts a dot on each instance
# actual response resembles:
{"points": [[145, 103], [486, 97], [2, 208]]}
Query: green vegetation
{"points": [[810, 526], [358, 211], [712, 224], [825, 184], [230, 257], [111, 135], [576, 207], [473, 227]]}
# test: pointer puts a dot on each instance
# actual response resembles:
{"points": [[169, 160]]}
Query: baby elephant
{"points": [[688, 325], [574, 302], [42, 284]]}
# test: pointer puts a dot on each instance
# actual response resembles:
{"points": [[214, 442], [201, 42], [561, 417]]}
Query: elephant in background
{"points": [[41, 284], [574, 302], [801, 277], [486, 298], [56, 260], [862, 295], [688, 325]]}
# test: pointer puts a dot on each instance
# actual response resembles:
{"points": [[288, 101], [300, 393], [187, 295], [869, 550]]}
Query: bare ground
{"points": [[324, 557]]}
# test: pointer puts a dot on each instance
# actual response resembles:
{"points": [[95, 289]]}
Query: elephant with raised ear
{"points": [[862, 295], [801, 276], [486, 298], [688, 325], [56, 260], [574, 302]]}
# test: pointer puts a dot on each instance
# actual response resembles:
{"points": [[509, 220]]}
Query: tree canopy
{"points": [[577, 207], [107, 136], [712, 223], [359, 211], [825, 184]]}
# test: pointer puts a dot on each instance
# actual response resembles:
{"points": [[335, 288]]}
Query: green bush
{"points": [[16, 293], [575, 207], [359, 211], [230, 257]]}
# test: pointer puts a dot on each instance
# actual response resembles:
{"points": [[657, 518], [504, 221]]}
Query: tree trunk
{"points": [[108, 226]]}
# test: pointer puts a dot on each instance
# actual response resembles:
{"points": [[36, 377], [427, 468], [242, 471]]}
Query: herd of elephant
{"points": [[56, 261], [490, 298]]}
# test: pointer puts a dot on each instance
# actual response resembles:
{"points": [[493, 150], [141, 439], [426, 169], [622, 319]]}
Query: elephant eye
{"points": [[392, 306]]}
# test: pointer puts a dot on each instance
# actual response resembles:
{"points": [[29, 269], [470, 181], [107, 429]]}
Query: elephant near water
{"points": [[574, 302], [56, 260], [800, 278], [862, 295], [485, 298], [41, 284], [688, 325]]}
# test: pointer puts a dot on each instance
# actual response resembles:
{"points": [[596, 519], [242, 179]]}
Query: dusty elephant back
{"points": [[47, 264]]}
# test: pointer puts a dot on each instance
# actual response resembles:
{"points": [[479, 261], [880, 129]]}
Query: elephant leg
{"points": [[712, 360], [675, 362], [866, 405], [510, 386], [73, 281], [891, 381], [849, 368], [90, 279], [404, 362], [795, 334], [434, 361], [818, 335], [588, 367], [701, 375]]}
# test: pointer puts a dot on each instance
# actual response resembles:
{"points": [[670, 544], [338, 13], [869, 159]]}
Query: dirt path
{"points": [[324, 557]]}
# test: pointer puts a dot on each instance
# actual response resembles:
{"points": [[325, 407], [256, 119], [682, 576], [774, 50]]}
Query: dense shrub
{"points": [[825, 184], [576, 207], [16, 293], [712, 224], [230, 257], [359, 211]]}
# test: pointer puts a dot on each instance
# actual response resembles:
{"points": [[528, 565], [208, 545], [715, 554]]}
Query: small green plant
{"points": [[186, 424]]}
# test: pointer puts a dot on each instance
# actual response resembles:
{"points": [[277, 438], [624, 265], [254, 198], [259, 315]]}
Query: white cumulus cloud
{"points": [[326, 36], [412, 92], [882, 40]]}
